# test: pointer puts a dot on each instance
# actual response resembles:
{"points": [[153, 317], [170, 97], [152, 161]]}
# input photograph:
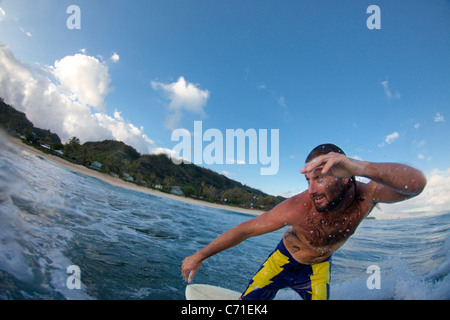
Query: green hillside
{"points": [[16, 122]]}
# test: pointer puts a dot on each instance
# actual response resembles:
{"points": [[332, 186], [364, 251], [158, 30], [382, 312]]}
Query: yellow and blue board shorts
{"points": [[281, 270]]}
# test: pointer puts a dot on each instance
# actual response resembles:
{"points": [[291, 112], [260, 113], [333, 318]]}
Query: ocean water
{"points": [[130, 245]]}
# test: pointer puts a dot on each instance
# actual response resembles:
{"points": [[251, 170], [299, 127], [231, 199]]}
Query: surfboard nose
{"points": [[208, 292]]}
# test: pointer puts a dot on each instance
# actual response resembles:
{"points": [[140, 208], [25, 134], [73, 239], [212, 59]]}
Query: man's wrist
{"points": [[365, 170], [200, 255]]}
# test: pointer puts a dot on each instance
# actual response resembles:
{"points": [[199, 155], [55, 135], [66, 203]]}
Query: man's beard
{"points": [[336, 195]]}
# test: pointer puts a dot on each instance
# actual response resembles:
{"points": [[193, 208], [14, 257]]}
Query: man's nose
{"points": [[312, 188]]}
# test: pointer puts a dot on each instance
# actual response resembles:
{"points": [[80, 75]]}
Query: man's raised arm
{"points": [[392, 182], [395, 182]]}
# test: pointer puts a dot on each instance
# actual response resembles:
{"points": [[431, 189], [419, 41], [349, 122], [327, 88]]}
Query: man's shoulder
{"points": [[302, 199], [299, 205]]}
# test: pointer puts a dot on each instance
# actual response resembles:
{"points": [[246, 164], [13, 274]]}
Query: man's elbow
{"points": [[417, 186]]}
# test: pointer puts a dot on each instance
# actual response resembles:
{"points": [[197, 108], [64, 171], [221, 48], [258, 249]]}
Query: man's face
{"points": [[326, 191]]}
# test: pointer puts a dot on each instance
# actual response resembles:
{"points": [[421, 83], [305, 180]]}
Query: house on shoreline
{"points": [[96, 165]]}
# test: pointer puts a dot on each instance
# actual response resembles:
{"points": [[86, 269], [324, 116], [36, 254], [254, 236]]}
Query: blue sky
{"points": [[311, 69]]}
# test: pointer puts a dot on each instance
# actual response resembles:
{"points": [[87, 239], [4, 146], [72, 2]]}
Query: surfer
{"points": [[321, 219]]}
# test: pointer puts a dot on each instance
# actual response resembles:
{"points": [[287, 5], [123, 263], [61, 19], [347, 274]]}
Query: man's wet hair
{"points": [[322, 150]]}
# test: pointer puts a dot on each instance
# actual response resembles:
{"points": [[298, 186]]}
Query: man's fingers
{"points": [[184, 270], [188, 275], [310, 166], [328, 165], [191, 276], [184, 273], [189, 268]]}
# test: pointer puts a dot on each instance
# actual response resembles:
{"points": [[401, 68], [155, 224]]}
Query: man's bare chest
{"points": [[325, 230]]}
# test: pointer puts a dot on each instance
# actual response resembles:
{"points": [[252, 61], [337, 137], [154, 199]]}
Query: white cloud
{"points": [[84, 76], [237, 161], [115, 57], [287, 194], [2, 14], [262, 86], [356, 157], [183, 96], [435, 197], [168, 152], [439, 118], [64, 107], [390, 138], [282, 101], [28, 34], [389, 94]]}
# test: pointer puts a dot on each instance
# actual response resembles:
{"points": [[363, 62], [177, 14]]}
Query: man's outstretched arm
{"points": [[265, 223]]}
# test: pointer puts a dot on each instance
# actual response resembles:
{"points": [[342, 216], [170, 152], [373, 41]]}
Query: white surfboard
{"points": [[207, 292]]}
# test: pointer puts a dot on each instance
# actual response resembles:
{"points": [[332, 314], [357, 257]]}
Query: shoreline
{"points": [[121, 183]]}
